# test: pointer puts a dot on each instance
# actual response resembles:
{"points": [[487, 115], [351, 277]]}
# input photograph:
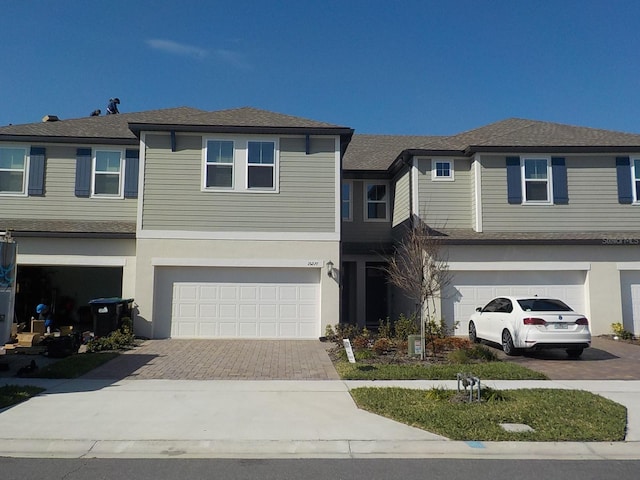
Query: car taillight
{"points": [[582, 321], [533, 321]]}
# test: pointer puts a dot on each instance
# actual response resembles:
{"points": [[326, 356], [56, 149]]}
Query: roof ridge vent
{"points": [[50, 118]]}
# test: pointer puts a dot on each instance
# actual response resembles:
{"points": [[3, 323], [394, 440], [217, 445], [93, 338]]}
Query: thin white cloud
{"points": [[233, 58], [230, 57], [176, 48]]}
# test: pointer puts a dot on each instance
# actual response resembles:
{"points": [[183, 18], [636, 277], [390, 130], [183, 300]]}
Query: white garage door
{"points": [[245, 303], [630, 287], [474, 289]]}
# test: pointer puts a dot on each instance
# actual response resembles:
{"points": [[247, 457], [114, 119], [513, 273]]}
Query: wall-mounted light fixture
{"points": [[330, 268]]}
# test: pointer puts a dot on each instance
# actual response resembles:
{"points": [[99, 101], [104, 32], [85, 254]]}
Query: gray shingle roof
{"points": [[378, 152], [608, 239], [120, 126], [68, 227]]}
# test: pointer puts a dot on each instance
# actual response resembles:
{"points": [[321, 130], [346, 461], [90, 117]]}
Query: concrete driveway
{"points": [[606, 359], [222, 360]]}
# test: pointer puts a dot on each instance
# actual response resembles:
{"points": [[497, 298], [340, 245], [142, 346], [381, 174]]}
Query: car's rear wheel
{"points": [[507, 343], [574, 352], [473, 336]]}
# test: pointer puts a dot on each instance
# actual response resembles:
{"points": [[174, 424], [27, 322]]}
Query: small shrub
{"points": [[381, 346], [329, 333], [345, 330], [619, 330], [117, 340], [438, 394], [360, 342], [385, 329], [405, 326], [490, 395]]}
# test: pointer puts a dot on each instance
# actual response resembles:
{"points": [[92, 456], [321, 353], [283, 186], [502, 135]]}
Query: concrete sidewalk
{"points": [[260, 419]]}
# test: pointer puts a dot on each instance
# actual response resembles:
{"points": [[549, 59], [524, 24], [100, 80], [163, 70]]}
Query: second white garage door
{"points": [[630, 287], [474, 289], [245, 303]]}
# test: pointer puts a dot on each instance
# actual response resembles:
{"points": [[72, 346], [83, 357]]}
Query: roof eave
{"points": [[63, 139], [552, 149], [154, 127]]}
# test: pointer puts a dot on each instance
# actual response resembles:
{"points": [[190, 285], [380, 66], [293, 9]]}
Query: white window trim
{"points": [[205, 146], [366, 202], [25, 171], [434, 177], [549, 180], [241, 164], [350, 184], [94, 152], [636, 193]]}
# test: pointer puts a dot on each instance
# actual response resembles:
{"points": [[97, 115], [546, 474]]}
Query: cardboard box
{"points": [[28, 339], [66, 330], [37, 326]]}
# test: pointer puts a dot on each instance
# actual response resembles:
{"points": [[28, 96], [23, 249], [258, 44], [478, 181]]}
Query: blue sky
{"points": [[405, 67]]}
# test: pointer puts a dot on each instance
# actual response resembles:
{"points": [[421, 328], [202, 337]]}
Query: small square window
{"points": [[441, 170]]}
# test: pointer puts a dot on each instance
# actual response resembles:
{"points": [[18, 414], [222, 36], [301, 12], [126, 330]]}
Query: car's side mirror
{"points": [[478, 309]]}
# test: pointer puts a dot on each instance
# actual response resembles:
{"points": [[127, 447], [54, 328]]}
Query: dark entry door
{"points": [[377, 294]]}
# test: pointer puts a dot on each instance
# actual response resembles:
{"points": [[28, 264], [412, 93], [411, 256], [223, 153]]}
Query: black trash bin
{"points": [[108, 313]]}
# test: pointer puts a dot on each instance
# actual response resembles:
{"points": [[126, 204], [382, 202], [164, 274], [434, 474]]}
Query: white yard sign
{"points": [[347, 347]]}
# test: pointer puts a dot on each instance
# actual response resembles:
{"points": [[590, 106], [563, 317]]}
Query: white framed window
{"points": [[536, 180], [442, 170], [347, 201], [232, 163], [635, 179], [261, 165], [108, 168], [376, 196], [13, 170], [219, 164]]}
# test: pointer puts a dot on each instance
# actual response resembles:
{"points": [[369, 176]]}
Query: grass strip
{"points": [[12, 394], [74, 366], [485, 371], [555, 415]]}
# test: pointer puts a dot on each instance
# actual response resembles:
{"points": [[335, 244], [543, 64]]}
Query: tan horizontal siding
{"points": [[174, 199], [402, 199], [593, 200], [60, 202], [445, 203], [360, 231]]}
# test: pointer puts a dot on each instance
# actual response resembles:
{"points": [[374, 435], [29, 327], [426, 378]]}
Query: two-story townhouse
{"points": [[218, 224], [523, 207]]}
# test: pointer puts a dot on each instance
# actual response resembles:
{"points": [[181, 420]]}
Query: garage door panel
{"points": [[630, 288], [470, 290], [277, 308]]}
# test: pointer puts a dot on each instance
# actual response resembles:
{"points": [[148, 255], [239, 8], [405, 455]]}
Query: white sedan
{"points": [[530, 323]]}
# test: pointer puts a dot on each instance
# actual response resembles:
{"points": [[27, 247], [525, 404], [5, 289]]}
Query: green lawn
{"points": [[555, 415], [74, 365], [12, 394]]}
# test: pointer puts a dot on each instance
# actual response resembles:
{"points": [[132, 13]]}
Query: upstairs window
{"points": [[13, 167], [441, 170], [346, 202], [536, 181], [219, 164], [107, 173], [261, 165], [377, 200]]}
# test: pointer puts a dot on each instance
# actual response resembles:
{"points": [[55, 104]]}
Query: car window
{"points": [[543, 305], [492, 306], [506, 306]]}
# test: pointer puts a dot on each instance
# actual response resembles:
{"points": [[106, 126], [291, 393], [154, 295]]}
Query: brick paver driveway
{"points": [[222, 360], [606, 359]]}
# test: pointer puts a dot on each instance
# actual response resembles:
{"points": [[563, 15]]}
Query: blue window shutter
{"points": [[514, 180], [83, 172], [36, 171], [559, 174], [623, 171], [131, 170]]}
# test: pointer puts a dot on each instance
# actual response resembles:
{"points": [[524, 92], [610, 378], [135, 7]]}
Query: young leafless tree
{"points": [[420, 270]]}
